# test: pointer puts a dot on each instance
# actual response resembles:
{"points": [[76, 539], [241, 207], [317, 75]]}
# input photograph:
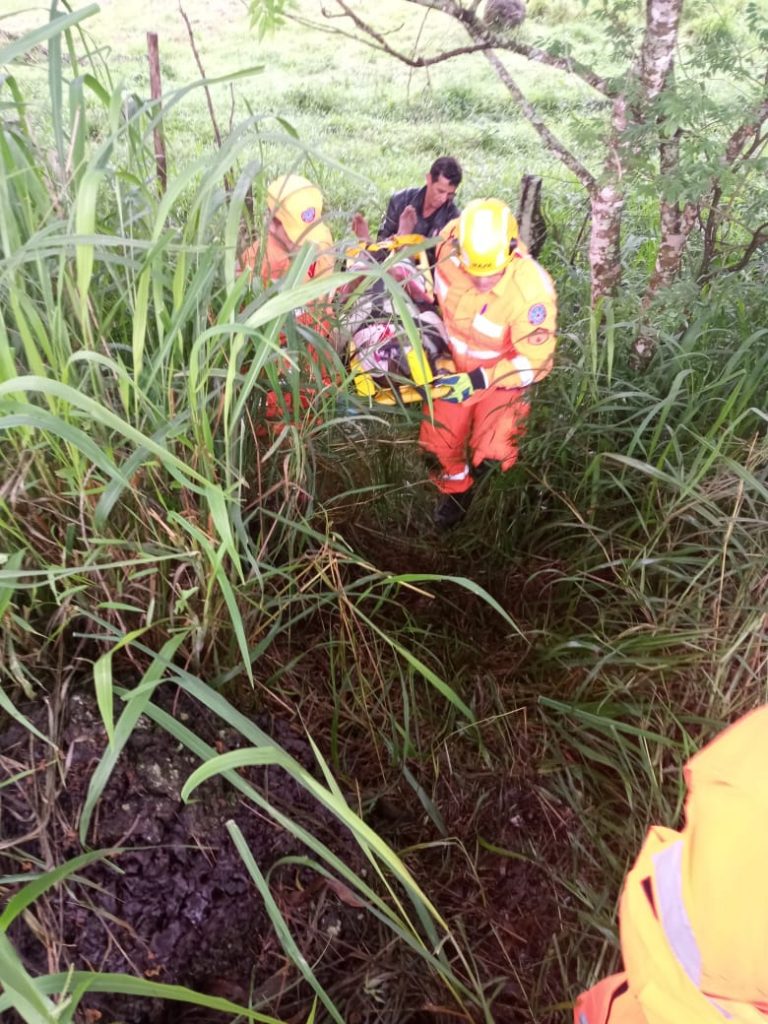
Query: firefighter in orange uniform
{"points": [[296, 207], [694, 909], [499, 308]]}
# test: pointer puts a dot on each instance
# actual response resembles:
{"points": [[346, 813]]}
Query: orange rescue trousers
{"points": [[461, 435], [279, 408]]}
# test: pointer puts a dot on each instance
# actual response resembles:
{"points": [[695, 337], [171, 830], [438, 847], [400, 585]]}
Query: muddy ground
{"points": [[178, 905]]}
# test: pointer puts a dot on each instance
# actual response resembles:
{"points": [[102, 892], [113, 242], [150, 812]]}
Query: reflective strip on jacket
{"points": [[509, 331], [693, 918]]}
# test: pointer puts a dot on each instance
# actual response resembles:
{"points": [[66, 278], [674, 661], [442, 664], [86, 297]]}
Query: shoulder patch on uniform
{"points": [[537, 314]]}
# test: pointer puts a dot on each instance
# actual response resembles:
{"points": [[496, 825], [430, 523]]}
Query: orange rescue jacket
{"points": [[275, 265], [508, 331], [694, 909], [276, 261]]}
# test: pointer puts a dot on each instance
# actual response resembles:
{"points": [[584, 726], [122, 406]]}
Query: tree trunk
{"points": [[156, 91], [607, 204], [676, 224], [662, 20], [655, 71]]}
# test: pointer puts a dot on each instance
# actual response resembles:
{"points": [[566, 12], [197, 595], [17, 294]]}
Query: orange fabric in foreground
{"points": [[693, 917]]}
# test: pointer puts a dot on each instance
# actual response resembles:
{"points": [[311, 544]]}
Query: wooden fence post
{"points": [[533, 228], [156, 91]]}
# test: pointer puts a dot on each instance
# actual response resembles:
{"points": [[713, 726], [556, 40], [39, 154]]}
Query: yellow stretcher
{"points": [[419, 369], [386, 244], [407, 393], [419, 259], [420, 372]]}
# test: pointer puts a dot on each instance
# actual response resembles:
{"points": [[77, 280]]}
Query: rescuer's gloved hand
{"points": [[461, 385]]}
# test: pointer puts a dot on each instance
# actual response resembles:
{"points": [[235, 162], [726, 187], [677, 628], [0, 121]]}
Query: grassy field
{"points": [[381, 123], [468, 736]]}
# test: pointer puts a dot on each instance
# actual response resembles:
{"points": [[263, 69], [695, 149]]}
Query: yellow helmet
{"points": [[298, 205], [487, 231]]}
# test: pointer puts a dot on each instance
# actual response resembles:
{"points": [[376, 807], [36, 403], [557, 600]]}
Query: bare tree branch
{"points": [[383, 46], [710, 232], [201, 69], [548, 137], [483, 39], [749, 129], [759, 237], [484, 45], [738, 149]]}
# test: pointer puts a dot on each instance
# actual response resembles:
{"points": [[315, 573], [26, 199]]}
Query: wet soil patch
{"points": [[177, 905], [488, 845]]}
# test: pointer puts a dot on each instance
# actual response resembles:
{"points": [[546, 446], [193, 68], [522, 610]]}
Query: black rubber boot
{"points": [[485, 468], [451, 509]]}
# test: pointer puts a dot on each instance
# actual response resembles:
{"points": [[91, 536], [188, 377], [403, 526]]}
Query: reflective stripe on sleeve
{"points": [[678, 931], [485, 326], [667, 867], [524, 368], [461, 348], [441, 286]]}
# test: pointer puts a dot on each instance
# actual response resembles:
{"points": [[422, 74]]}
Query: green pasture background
{"points": [[378, 119]]}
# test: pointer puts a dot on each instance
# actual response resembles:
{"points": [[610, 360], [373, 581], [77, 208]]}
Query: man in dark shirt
{"points": [[421, 211], [426, 210]]}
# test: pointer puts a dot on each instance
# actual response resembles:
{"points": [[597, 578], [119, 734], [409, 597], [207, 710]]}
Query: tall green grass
{"points": [[146, 514], [146, 506]]}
